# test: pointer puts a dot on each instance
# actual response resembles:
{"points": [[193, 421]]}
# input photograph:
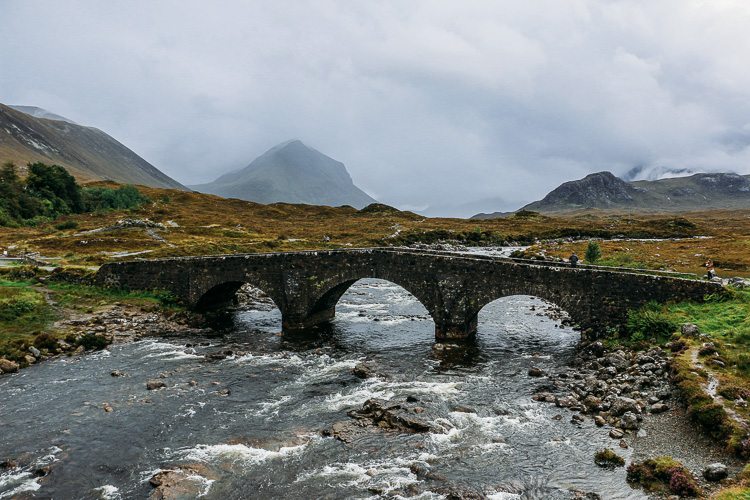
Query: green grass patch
{"points": [[71, 295], [727, 321], [22, 310]]}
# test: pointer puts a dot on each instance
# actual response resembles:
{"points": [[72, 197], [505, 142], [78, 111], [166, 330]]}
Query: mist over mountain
{"points": [[604, 191], [29, 134], [292, 173]]}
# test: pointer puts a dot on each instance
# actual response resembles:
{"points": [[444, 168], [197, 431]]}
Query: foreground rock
{"points": [[715, 472], [7, 366], [178, 483]]}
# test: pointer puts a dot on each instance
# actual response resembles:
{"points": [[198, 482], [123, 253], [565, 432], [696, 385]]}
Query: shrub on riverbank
{"points": [[651, 320], [608, 458], [663, 473]]}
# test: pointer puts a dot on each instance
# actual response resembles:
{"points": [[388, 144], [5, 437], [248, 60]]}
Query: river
{"points": [[250, 425]]}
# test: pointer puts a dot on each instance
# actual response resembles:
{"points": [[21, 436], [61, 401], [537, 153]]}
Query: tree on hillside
{"points": [[593, 252], [54, 185], [15, 202]]}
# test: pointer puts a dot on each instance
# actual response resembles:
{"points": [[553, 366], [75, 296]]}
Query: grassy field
{"points": [[189, 223]]}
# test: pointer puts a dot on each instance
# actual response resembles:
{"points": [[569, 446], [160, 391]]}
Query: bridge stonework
{"points": [[306, 286]]}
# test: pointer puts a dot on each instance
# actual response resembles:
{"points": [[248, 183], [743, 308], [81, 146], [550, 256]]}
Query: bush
{"points": [[91, 341], [663, 473], [733, 392], [45, 341], [15, 308], [651, 321], [166, 298], [70, 224], [99, 199]]}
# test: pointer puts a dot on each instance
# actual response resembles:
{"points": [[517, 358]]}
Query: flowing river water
{"points": [[250, 425]]}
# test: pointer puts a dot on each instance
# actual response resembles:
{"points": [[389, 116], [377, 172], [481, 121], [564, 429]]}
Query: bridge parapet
{"points": [[306, 285]]}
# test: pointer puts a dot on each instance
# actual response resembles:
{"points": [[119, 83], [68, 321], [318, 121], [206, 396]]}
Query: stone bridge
{"points": [[452, 287]]}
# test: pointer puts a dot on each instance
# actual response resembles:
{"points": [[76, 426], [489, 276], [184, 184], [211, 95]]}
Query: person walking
{"points": [[711, 272], [573, 259]]}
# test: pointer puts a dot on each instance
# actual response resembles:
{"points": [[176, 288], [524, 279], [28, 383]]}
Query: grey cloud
{"points": [[428, 103]]}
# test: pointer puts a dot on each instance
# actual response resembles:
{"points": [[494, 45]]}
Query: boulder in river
{"points": [[378, 414], [155, 384], [535, 371], [366, 369]]}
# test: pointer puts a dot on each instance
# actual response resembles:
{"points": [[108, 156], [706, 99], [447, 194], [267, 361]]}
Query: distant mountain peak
{"points": [[37, 112], [291, 172], [604, 191]]}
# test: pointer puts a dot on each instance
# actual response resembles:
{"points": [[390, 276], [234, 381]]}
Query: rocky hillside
{"points": [[29, 134], [604, 191], [292, 173]]}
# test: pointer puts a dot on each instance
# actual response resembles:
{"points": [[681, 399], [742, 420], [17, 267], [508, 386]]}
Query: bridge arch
{"points": [[571, 303], [328, 295], [520, 307], [224, 293]]}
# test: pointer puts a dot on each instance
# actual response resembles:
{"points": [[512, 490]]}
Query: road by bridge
{"points": [[453, 287]]}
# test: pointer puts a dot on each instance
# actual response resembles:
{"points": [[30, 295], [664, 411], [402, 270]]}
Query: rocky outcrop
{"points": [[377, 415]]}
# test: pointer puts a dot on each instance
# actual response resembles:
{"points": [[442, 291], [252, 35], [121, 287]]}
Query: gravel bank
{"points": [[673, 434]]}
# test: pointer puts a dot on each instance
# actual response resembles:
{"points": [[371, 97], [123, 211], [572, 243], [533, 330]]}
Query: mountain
{"points": [[604, 191], [292, 173], [29, 134]]}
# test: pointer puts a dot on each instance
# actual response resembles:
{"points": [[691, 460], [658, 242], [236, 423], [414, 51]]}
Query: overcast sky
{"points": [[428, 103]]}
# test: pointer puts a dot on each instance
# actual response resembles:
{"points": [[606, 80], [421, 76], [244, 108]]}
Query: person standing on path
{"points": [[710, 268], [573, 259]]}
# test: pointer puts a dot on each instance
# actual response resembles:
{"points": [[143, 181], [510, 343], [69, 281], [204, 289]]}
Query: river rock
{"points": [[616, 434], [155, 384], [378, 414], [8, 366], [30, 359], [535, 371], [715, 472], [34, 351], [460, 493], [8, 464], [629, 421], [617, 361], [623, 405], [546, 397], [658, 408], [174, 484], [566, 402], [365, 369]]}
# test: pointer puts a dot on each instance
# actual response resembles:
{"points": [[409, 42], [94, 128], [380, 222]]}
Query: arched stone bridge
{"points": [[453, 287]]}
